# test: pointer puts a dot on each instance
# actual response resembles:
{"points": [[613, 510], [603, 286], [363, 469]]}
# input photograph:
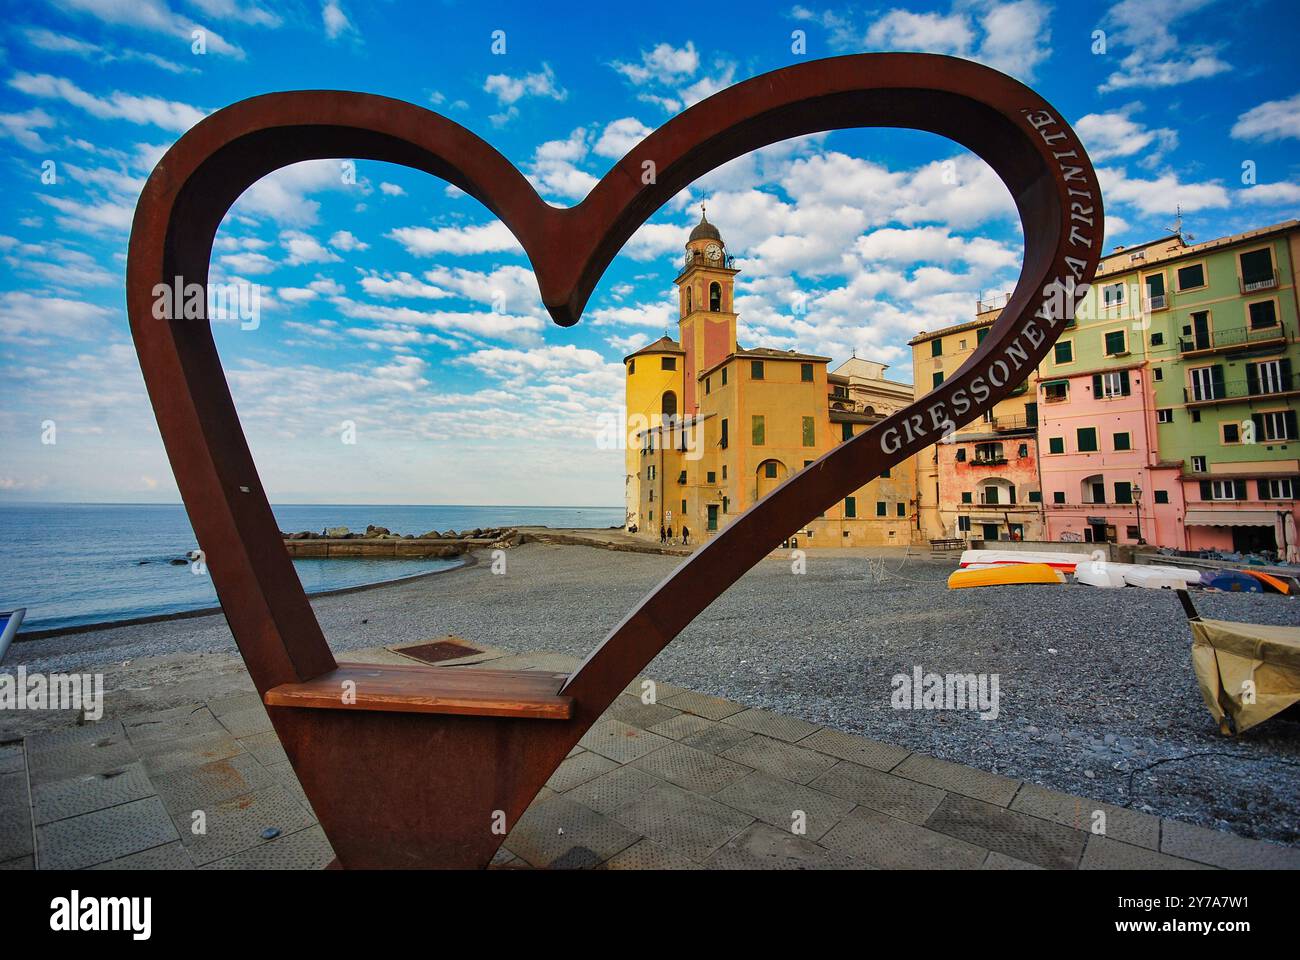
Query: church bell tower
{"points": [[706, 308]]}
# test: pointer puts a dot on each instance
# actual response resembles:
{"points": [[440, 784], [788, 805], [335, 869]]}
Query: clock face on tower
{"points": [[713, 251]]}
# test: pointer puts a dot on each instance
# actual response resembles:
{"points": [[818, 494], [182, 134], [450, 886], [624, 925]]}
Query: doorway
{"points": [[713, 516], [1254, 539]]}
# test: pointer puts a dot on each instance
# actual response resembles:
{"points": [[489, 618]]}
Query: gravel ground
{"points": [[1097, 694]]}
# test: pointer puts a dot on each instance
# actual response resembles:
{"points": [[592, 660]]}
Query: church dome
{"points": [[705, 230]]}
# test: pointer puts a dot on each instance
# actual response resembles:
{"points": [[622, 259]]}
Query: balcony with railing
{"points": [[1240, 338], [1010, 423], [1082, 506], [1257, 282], [1267, 384], [986, 505]]}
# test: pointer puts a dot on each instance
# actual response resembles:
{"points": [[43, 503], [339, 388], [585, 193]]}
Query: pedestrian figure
{"points": [[670, 535], [663, 535], [686, 535]]}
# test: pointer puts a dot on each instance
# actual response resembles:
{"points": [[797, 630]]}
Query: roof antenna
{"points": [[1177, 228]]}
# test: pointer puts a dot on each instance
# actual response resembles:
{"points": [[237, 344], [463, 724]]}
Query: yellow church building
{"points": [[714, 427]]}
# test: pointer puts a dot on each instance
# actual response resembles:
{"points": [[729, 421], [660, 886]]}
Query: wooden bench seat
{"points": [[398, 688]]}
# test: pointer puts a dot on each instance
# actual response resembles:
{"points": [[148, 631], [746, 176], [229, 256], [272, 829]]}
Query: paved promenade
{"points": [[689, 781]]}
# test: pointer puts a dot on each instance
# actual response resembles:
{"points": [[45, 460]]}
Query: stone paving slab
{"points": [[266, 747], [168, 856], [780, 758], [682, 821], [690, 768], [607, 793], [648, 855], [15, 817], [1105, 853], [246, 723], [957, 778], [12, 758], [579, 769], [108, 834], [1018, 835], [645, 715], [681, 726], [166, 756], [702, 705], [764, 847], [905, 799], [776, 725], [716, 738], [192, 788], [784, 804], [1126, 826], [561, 834], [237, 824], [191, 720], [1221, 849], [59, 799], [306, 849], [621, 741], [80, 756], [886, 842], [859, 750], [1000, 861]]}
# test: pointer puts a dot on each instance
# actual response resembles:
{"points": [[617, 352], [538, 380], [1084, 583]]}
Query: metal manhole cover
{"points": [[439, 650]]}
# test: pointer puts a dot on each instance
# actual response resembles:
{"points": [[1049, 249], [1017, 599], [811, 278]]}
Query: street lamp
{"points": [[1137, 500]]}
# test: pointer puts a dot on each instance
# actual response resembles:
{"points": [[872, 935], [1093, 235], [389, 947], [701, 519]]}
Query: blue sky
{"points": [[401, 307]]}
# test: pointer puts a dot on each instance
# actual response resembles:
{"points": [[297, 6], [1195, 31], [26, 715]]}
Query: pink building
{"points": [[1102, 479]]}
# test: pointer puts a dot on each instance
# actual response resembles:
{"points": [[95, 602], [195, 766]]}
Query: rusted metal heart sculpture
{"points": [[395, 784]]}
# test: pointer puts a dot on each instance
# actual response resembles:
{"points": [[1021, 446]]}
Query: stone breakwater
{"points": [[382, 542]]}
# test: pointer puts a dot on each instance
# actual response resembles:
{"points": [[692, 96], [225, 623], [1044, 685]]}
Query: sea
{"points": [[72, 564]]}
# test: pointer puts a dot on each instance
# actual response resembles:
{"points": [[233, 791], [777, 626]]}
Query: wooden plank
{"points": [[399, 688]]}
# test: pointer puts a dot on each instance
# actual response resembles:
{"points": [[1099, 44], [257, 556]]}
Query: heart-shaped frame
{"points": [[394, 788]]}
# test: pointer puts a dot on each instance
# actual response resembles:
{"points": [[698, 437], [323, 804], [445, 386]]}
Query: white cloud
{"points": [[335, 20], [152, 15], [167, 114], [1116, 134], [554, 171], [345, 241], [493, 237], [1162, 195], [1157, 58], [665, 64], [304, 248], [509, 90], [391, 190], [619, 137], [25, 127], [1269, 121], [77, 215], [40, 320]]}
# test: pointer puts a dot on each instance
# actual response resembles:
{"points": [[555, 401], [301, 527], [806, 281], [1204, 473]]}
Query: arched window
{"points": [[669, 404], [688, 299], [715, 297]]}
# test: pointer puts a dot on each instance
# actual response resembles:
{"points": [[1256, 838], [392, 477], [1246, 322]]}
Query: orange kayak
{"points": [[1002, 575], [1273, 583]]}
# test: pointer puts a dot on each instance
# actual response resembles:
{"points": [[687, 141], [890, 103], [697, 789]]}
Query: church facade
{"points": [[713, 427]]}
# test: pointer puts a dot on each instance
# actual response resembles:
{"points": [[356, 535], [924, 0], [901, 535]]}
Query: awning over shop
{"points": [[1053, 383], [1231, 518]]}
